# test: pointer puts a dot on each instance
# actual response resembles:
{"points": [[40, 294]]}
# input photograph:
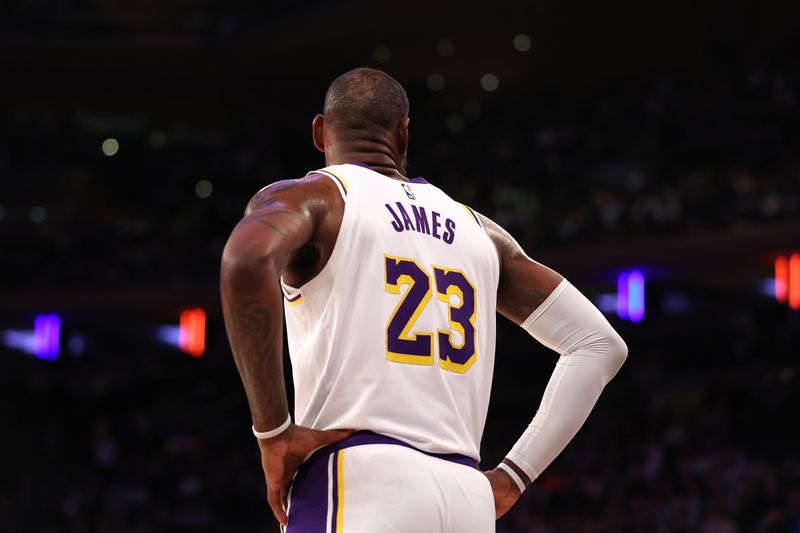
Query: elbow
{"points": [[243, 271], [617, 353]]}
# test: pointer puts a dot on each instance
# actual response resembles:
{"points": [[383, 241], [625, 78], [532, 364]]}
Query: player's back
{"points": [[397, 333]]}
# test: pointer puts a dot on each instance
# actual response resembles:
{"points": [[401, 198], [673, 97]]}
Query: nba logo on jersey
{"points": [[407, 188]]}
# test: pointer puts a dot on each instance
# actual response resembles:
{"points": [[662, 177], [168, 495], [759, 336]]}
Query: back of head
{"points": [[365, 98]]}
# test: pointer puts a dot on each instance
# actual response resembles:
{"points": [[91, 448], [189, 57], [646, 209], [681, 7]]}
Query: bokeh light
{"points": [[38, 214], [522, 43], [489, 82], [157, 139], [203, 188], [435, 82], [382, 54], [456, 123], [446, 47], [110, 147]]}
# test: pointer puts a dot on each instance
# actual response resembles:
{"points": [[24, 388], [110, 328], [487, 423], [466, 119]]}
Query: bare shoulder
{"points": [[507, 246], [524, 284], [314, 190]]}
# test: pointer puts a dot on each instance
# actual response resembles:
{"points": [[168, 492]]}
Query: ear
{"points": [[402, 136], [318, 132]]}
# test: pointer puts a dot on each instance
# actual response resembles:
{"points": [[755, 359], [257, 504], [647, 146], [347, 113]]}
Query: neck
{"points": [[379, 156]]}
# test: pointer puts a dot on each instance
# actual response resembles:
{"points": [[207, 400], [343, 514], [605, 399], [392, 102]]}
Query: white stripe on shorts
{"points": [[331, 484]]}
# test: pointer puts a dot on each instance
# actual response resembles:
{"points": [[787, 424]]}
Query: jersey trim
{"points": [[472, 214], [336, 179], [290, 294], [294, 300]]}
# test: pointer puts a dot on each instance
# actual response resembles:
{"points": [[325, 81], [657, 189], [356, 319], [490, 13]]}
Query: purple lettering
{"points": [[464, 315], [419, 288], [450, 234], [421, 219], [396, 224], [436, 224], [406, 219]]}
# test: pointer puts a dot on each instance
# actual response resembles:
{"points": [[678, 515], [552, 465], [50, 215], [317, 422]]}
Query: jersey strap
{"points": [[472, 214], [340, 183]]}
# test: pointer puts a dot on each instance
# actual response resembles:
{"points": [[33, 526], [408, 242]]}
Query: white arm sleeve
{"points": [[591, 354]]}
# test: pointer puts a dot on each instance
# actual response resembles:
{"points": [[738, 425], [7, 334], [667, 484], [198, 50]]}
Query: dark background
{"points": [[651, 135]]}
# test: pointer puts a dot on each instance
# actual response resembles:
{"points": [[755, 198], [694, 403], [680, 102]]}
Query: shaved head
{"points": [[365, 98]]}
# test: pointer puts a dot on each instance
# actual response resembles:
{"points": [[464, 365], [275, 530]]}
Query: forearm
{"points": [[252, 306], [591, 354]]}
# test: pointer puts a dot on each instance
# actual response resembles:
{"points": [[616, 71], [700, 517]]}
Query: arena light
{"points": [[630, 296], [436, 82], [606, 302], [622, 296], [382, 54], [110, 147], [787, 280], [489, 82], [19, 339], [169, 335], [636, 296], [794, 281], [192, 334], [522, 43], [781, 279], [47, 337], [203, 189], [446, 47]]}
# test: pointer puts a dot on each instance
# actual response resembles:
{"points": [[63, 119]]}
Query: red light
{"points": [[781, 279], [192, 338], [794, 281]]}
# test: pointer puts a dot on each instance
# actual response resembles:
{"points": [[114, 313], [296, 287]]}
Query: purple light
{"points": [[19, 339], [46, 337], [607, 303], [169, 335], [636, 296], [630, 296], [622, 296]]}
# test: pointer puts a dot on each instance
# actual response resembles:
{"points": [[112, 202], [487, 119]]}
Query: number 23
{"points": [[416, 348]]}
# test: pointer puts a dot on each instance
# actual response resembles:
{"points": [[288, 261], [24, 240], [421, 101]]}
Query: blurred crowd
{"points": [[626, 162], [121, 17], [697, 433]]}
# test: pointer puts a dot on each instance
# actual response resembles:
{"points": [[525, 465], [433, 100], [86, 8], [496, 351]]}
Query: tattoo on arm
{"points": [[265, 197], [251, 298], [270, 225], [521, 300], [255, 334], [524, 284], [262, 215]]}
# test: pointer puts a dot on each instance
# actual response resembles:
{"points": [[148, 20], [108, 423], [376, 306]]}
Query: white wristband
{"points": [[513, 475], [275, 432]]}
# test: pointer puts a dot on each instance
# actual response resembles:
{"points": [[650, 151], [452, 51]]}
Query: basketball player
{"points": [[390, 290]]}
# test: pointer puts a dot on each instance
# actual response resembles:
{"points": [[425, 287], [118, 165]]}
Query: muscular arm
{"points": [[560, 317], [524, 283], [278, 221]]}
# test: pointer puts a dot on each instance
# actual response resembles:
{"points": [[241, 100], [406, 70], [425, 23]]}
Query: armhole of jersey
{"points": [[472, 214], [477, 220], [340, 183]]}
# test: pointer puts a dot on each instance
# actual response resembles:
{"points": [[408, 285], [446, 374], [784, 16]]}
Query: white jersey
{"points": [[396, 334]]}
